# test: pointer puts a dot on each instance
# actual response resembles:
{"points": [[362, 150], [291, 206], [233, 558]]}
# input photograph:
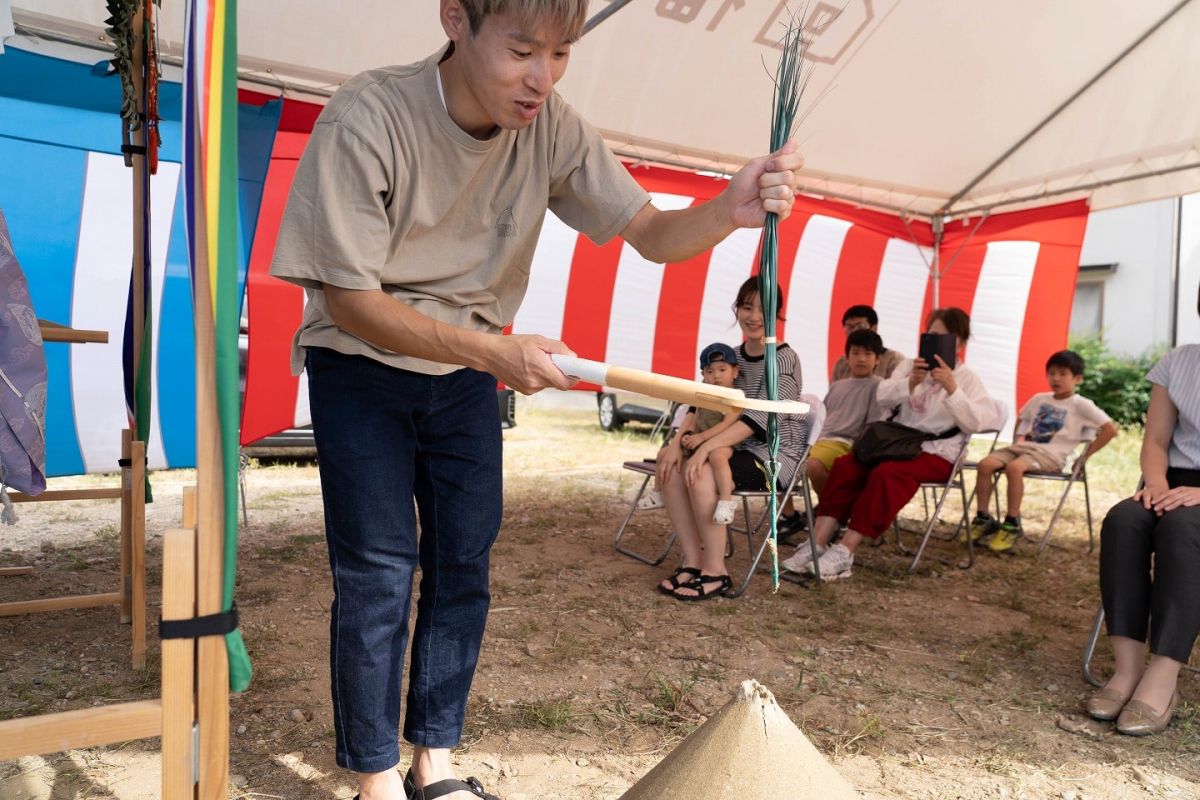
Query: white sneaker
{"points": [[723, 513], [798, 562], [650, 501], [835, 563]]}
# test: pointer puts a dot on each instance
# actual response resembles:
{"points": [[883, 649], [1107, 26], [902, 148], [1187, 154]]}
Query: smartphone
{"points": [[938, 344]]}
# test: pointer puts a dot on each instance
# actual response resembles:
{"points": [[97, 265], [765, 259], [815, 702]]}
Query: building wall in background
{"points": [[1189, 271], [1134, 303]]}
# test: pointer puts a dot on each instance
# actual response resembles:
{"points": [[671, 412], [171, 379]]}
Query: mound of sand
{"points": [[747, 749]]}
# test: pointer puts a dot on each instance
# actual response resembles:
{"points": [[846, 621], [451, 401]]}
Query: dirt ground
{"points": [[949, 683]]}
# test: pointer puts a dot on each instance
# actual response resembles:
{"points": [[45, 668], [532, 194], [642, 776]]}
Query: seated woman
{"points": [[1159, 524], [931, 398], [689, 487]]}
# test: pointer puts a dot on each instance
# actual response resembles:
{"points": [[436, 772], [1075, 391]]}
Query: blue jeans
{"points": [[384, 436]]}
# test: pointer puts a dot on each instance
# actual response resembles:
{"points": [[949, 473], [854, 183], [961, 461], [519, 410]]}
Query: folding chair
{"points": [[1090, 649], [645, 468], [815, 420], [942, 490], [1078, 474]]}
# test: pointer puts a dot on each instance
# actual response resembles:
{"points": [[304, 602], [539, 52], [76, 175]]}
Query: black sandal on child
{"points": [[724, 584], [675, 581], [443, 788]]}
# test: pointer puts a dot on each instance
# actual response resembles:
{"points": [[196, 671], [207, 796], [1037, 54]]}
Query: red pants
{"points": [[866, 499]]}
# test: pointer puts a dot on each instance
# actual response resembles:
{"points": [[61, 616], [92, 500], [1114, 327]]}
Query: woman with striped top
{"points": [[1159, 525], [688, 486]]}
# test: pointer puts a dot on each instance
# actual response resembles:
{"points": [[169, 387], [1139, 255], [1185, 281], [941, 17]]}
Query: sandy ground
{"points": [[945, 684]]}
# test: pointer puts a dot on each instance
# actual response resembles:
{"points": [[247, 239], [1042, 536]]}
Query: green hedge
{"points": [[1114, 382]]}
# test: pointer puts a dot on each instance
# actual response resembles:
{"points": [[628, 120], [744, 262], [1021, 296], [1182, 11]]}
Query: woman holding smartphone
{"points": [[944, 399]]}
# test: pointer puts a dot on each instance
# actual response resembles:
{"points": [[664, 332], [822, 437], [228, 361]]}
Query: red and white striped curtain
{"points": [[1014, 274]]}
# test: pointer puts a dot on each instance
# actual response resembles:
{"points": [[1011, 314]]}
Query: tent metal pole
{"points": [[613, 7], [1083, 188], [1064, 106], [1176, 265], [939, 225]]}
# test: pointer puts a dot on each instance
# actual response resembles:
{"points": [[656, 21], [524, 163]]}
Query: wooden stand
{"points": [[131, 591], [173, 716]]}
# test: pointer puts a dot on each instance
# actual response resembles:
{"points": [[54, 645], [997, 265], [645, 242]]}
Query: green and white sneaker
{"points": [[983, 526], [1006, 537]]}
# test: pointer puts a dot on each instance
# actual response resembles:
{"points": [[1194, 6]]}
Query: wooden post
{"points": [[189, 506], [137, 491], [178, 665], [6, 572], [126, 530]]}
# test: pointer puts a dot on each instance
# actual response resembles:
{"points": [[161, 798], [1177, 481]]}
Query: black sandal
{"points": [[676, 582], [442, 788], [724, 584]]}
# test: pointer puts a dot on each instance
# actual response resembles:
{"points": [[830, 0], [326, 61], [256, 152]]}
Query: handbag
{"points": [[887, 440]]}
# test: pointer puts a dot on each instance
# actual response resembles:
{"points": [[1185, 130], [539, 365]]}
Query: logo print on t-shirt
{"points": [[1048, 421], [506, 224]]}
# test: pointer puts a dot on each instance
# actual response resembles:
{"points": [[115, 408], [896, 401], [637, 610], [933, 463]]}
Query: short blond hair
{"points": [[569, 15]]}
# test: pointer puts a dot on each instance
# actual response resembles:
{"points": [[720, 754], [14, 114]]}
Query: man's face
{"points": [[853, 324], [1062, 381], [509, 71], [862, 361], [719, 373]]}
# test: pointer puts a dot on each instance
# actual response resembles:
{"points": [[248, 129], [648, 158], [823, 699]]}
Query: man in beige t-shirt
{"points": [[411, 224]]}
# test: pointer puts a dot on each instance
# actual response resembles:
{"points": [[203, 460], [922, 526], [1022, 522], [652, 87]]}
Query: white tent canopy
{"points": [[930, 107]]}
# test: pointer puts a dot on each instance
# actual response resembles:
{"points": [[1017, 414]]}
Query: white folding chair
{"points": [[941, 491], [798, 484]]}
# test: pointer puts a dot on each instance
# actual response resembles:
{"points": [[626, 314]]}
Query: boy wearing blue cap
{"points": [[718, 366]]}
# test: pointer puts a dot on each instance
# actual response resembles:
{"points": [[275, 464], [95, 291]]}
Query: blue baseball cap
{"points": [[717, 352]]}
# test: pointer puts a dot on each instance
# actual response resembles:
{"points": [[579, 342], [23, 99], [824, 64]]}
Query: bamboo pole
{"points": [[137, 491], [9, 572], [212, 708], [71, 730], [178, 665]]}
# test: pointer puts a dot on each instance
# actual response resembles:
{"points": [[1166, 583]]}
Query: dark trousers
{"points": [[385, 436], [867, 498], [1164, 600]]}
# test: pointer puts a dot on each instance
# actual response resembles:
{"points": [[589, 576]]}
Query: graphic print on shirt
{"points": [[1048, 421], [506, 225]]}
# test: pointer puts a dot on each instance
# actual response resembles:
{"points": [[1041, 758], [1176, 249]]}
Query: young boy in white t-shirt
{"points": [[1050, 427]]}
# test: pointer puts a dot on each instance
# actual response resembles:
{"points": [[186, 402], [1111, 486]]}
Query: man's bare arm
{"points": [[376, 317]]}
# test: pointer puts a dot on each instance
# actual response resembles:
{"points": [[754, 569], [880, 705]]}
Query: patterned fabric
{"points": [[22, 379], [793, 428]]}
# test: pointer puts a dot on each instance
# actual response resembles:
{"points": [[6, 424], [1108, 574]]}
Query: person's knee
{"points": [[1178, 534], [990, 466], [1127, 518], [1015, 469]]}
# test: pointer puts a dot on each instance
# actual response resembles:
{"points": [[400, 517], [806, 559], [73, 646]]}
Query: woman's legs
{"points": [[1126, 547], [1174, 605], [703, 498], [679, 511]]}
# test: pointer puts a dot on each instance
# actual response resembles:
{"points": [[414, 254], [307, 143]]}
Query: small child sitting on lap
{"points": [[718, 365], [1051, 425], [849, 406]]}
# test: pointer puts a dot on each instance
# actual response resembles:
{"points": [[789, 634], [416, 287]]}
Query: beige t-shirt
{"points": [[392, 194]]}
